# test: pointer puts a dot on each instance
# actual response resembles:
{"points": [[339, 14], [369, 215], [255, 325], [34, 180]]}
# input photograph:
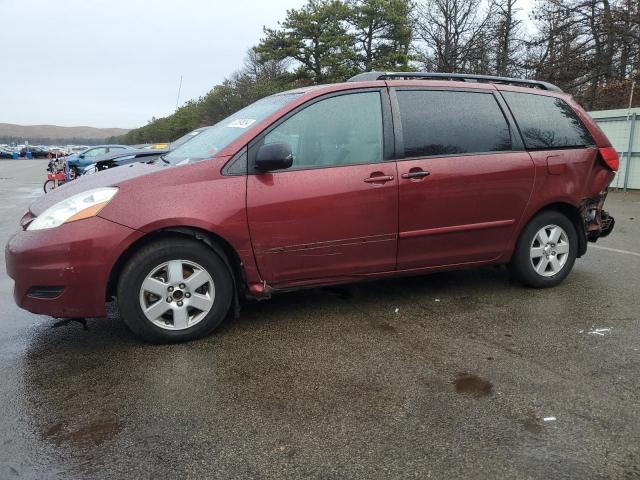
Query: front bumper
{"points": [[63, 272]]}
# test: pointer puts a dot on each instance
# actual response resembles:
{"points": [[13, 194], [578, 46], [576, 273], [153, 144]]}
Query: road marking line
{"points": [[626, 252]]}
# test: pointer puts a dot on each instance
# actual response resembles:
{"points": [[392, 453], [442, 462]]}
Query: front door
{"points": [[463, 186], [334, 213]]}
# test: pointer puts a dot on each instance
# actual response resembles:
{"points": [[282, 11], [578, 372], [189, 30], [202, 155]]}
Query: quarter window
{"points": [[436, 122], [341, 130], [547, 122]]}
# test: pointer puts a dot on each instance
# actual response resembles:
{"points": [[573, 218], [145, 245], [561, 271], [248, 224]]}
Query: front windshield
{"points": [[213, 139], [185, 138]]}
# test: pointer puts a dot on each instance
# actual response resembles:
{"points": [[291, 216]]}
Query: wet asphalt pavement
{"points": [[444, 376]]}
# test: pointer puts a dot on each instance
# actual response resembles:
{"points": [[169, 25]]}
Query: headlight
{"points": [[83, 205]]}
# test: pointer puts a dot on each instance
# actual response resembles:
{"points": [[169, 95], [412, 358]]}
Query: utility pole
{"points": [[631, 122], [179, 88], [633, 87]]}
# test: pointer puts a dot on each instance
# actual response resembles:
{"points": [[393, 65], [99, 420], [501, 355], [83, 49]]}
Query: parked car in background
{"points": [[388, 174], [36, 151], [89, 156], [5, 153], [76, 148], [57, 152], [157, 146], [151, 146]]}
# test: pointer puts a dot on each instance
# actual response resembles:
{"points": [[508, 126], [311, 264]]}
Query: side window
{"points": [[341, 130], [547, 122], [95, 152], [438, 122]]}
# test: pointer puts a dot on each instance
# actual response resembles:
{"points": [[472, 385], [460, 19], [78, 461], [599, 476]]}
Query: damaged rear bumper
{"points": [[608, 222], [597, 222]]}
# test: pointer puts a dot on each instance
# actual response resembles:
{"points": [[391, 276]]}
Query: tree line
{"points": [[590, 48]]}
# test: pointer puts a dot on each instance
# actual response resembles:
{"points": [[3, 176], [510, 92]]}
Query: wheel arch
{"points": [[573, 213], [214, 241]]}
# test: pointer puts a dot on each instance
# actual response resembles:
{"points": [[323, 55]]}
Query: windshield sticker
{"points": [[241, 123]]}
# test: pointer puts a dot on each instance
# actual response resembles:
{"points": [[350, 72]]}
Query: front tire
{"points": [[174, 290], [546, 250]]}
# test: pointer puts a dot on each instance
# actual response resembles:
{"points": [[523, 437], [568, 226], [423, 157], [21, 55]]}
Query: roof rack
{"points": [[460, 77]]}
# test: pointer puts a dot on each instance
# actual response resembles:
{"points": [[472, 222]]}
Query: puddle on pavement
{"points": [[384, 327], [94, 433], [533, 425], [469, 384]]}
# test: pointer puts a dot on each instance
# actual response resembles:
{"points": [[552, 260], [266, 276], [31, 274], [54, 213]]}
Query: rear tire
{"points": [[546, 250], [173, 290]]}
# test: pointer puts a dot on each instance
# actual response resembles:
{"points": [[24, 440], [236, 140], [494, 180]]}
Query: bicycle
{"points": [[58, 173]]}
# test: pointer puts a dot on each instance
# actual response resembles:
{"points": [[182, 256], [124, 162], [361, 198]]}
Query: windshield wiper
{"points": [[161, 157]]}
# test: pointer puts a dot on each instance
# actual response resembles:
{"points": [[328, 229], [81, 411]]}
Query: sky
{"points": [[118, 63]]}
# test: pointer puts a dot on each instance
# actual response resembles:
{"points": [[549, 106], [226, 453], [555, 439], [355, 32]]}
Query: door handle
{"points": [[415, 174], [379, 179]]}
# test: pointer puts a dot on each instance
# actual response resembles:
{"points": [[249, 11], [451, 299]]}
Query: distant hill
{"points": [[51, 134]]}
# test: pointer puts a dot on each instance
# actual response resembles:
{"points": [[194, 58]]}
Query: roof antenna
{"points": [[179, 88]]}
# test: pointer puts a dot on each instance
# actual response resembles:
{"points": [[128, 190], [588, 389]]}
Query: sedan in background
{"points": [[36, 152], [91, 155]]}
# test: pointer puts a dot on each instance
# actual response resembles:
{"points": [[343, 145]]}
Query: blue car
{"points": [[79, 161]]}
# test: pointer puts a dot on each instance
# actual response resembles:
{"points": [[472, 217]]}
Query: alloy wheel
{"points": [[177, 295], [549, 250]]}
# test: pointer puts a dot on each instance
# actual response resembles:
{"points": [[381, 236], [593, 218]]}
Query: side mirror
{"points": [[274, 156], [81, 155]]}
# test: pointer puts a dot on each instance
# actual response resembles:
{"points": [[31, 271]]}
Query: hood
{"points": [[107, 178]]}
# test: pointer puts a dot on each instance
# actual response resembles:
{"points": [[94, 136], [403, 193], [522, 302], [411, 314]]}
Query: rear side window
{"points": [[436, 122], [547, 122]]}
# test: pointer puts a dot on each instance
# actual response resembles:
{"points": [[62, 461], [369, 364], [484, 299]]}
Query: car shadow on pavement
{"points": [[104, 334]]}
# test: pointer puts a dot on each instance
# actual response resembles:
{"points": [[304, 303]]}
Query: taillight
{"points": [[610, 157]]}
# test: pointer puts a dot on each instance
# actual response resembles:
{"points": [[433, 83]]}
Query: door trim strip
{"points": [[456, 228], [332, 243]]}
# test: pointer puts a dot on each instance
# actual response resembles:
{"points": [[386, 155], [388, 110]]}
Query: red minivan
{"points": [[387, 174]]}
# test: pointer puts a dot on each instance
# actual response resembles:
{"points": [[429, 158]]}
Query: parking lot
{"points": [[452, 375]]}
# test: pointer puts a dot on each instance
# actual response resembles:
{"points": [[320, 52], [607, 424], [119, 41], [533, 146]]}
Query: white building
{"points": [[622, 126]]}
